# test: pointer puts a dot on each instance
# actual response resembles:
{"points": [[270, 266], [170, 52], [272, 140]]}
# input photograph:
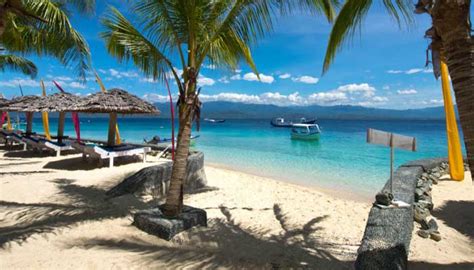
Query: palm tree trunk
{"points": [[174, 198], [451, 21]]}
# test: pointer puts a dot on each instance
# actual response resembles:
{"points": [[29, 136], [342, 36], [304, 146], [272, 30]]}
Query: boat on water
{"points": [[211, 120], [157, 140], [308, 132], [281, 122]]}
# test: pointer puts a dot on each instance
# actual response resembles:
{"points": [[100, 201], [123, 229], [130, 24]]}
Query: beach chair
{"points": [[35, 143], [110, 152], [13, 136], [56, 146]]}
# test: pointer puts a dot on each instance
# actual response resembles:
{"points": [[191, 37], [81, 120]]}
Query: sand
{"points": [[53, 215]]}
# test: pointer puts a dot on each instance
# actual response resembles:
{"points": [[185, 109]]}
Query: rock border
{"points": [[388, 232]]}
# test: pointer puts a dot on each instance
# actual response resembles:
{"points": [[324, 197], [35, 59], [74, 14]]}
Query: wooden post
{"points": [[29, 123], [61, 120], [112, 125]]}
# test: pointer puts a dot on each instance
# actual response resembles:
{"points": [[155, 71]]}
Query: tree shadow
{"points": [[79, 164], [436, 266], [24, 172], [225, 243], [458, 215], [84, 204], [29, 154]]}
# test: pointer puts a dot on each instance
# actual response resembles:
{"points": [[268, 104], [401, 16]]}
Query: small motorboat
{"points": [[211, 120], [305, 132], [158, 140], [281, 122]]}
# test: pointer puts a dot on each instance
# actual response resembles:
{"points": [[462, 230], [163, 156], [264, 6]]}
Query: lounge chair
{"points": [[56, 146], [110, 152], [36, 143], [13, 136]]}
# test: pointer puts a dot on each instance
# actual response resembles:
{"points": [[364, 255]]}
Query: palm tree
{"points": [[41, 27], [190, 33], [452, 41]]}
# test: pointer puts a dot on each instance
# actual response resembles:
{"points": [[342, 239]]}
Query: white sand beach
{"points": [[53, 216]]}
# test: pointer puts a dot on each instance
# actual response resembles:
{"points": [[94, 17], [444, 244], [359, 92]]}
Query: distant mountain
{"points": [[233, 110]]}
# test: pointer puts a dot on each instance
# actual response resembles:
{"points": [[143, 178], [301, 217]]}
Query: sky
{"points": [[383, 67]]}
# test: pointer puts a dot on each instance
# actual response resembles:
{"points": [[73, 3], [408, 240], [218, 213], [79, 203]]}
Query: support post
{"points": [[29, 123], [61, 120], [112, 129]]}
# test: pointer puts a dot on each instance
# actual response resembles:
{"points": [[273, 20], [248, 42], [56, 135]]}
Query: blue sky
{"points": [[383, 67]]}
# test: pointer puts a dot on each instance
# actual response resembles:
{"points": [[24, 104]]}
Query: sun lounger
{"points": [[13, 136], [35, 143], [110, 152], [56, 146]]}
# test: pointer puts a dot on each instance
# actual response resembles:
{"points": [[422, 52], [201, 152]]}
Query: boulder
{"points": [[154, 180]]}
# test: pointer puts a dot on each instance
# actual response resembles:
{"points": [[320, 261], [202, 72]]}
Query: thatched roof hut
{"points": [[115, 101], [3, 103], [59, 102], [24, 104]]}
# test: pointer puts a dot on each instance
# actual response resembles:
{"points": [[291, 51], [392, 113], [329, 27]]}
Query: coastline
{"points": [[58, 204], [337, 192]]}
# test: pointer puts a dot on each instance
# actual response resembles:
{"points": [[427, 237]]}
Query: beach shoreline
{"points": [[58, 204], [338, 192]]}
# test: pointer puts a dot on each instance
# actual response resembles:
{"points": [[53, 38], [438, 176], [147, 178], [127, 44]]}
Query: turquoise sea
{"points": [[340, 160]]}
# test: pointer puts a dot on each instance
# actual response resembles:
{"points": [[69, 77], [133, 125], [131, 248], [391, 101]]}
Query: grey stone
{"points": [[384, 198], [420, 213], [154, 180], [154, 222], [432, 225], [423, 233], [428, 204], [435, 236], [424, 224]]}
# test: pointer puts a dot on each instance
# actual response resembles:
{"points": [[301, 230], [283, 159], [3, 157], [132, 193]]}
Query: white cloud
{"points": [[205, 81], [151, 97], [224, 79], [210, 66], [236, 77], [436, 101], [263, 78], [328, 98], [379, 99], [306, 79], [238, 70], [103, 71], [407, 92], [284, 76], [411, 71], [22, 82], [77, 85], [119, 74], [364, 88]]}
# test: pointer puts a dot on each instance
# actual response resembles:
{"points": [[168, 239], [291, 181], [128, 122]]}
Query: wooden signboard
{"points": [[393, 141]]}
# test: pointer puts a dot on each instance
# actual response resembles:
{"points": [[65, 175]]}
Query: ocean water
{"points": [[341, 159]]}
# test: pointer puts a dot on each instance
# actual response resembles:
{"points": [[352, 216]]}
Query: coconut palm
{"points": [[188, 34], [452, 41], [41, 27]]}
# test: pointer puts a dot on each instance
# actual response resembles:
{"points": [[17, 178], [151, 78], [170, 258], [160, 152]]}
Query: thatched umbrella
{"points": [[27, 104], [62, 103], [113, 102]]}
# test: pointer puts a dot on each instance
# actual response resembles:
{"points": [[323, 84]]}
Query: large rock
{"points": [[154, 222], [154, 180]]}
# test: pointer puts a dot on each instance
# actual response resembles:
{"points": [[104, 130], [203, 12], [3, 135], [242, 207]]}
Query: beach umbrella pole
{"points": [[61, 120], [112, 129], [29, 123]]}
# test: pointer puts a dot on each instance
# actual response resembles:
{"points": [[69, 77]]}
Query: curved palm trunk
{"points": [[174, 198], [451, 21]]}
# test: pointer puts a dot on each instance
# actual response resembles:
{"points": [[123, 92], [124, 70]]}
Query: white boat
{"points": [[305, 132]]}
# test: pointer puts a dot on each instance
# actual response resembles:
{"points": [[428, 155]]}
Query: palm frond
{"points": [[125, 42], [17, 63], [350, 18]]}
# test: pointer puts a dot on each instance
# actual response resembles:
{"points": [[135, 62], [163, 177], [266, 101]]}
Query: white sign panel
{"points": [[391, 139]]}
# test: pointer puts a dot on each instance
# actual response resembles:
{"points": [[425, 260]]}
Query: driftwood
{"points": [[387, 236]]}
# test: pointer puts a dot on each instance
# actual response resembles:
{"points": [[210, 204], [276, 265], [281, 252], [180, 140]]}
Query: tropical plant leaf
{"points": [[350, 18], [18, 63]]}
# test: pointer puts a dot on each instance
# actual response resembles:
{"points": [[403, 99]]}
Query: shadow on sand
{"points": [[84, 204], [458, 215], [78, 163]]}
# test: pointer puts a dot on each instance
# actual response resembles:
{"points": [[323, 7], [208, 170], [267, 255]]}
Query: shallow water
{"points": [[340, 160]]}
